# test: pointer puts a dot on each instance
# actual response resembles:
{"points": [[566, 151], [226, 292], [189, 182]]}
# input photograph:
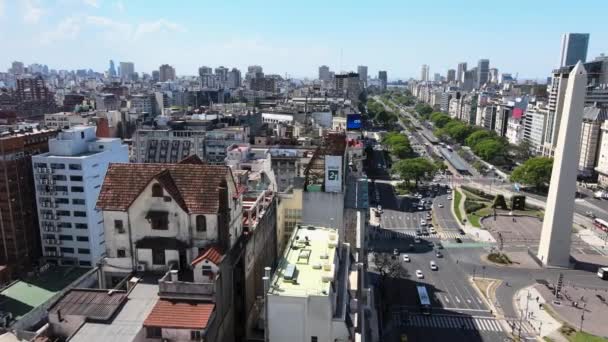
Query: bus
{"points": [[601, 224], [425, 300], [602, 272]]}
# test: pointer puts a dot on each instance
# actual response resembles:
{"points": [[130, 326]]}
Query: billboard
{"points": [[333, 173], [353, 121]]}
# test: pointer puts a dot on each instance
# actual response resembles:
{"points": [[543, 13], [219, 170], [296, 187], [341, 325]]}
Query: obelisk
{"points": [[555, 238]]}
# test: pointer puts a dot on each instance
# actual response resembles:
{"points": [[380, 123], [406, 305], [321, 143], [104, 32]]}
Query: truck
{"points": [[602, 272]]}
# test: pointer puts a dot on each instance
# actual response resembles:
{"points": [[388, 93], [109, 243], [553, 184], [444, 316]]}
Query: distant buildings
{"points": [[424, 73], [462, 68], [127, 70], [68, 181], [166, 73], [112, 69], [382, 76], [483, 72], [362, 71], [574, 48], [349, 85], [451, 77], [324, 73]]}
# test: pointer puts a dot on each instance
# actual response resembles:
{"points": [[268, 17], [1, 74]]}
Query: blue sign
{"points": [[353, 121]]}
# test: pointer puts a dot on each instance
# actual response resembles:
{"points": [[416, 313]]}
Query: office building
{"points": [[17, 68], [382, 76], [142, 103], [362, 71], [324, 73], [574, 48], [62, 120], [127, 71], [349, 85], [424, 73], [112, 69], [20, 242], [437, 77], [166, 73], [462, 68], [68, 181], [483, 73], [205, 70], [535, 122], [155, 76], [234, 79], [310, 286], [593, 118], [451, 75], [34, 98], [493, 75]]}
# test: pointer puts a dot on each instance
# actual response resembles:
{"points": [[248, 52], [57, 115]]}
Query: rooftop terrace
{"points": [[307, 267]]}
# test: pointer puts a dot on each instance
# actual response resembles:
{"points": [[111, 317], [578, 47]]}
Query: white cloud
{"points": [[68, 29], [92, 3], [108, 23], [33, 12], [120, 6], [161, 25]]}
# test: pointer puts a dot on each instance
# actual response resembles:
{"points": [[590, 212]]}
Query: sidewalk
{"points": [[542, 323]]}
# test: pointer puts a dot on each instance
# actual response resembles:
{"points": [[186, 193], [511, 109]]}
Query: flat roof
{"points": [[310, 262], [22, 296], [95, 304]]}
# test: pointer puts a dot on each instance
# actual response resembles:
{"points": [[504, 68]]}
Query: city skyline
{"points": [[241, 34]]}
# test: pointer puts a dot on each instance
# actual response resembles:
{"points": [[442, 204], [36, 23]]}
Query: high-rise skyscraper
{"points": [[383, 77], [462, 68], [362, 71], [127, 69], [234, 78], [574, 48], [205, 70], [166, 73], [324, 73], [424, 73], [112, 69], [437, 77], [451, 75], [493, 78], [483, 72], [17, 68]]}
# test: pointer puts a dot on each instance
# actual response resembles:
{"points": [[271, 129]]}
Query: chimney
{"points": [[173, 275], [103, 128]]}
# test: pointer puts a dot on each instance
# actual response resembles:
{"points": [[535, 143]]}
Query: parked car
{"points": [[449, 198], [440, 205], [438, 254]]}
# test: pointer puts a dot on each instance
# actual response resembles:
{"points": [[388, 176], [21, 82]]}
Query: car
{"points": [[379, 208], [440, 205], [425, 232], [590, 214], [438, 254], [423, 222], [458, 240], [439, 245], [433, 266], [449, 191], [432, 230], [449, 198], [416, 240], [419, 274], [461, 232], [395, 251], [406, 258], [420, 208], [428, 216], [418, 232], [431, 244]]}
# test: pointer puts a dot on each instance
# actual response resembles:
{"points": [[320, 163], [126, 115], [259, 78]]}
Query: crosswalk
{"points": [[385, 234], [446, 322]]}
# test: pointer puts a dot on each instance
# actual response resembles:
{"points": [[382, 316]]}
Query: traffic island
{"points": [[499, 258]]}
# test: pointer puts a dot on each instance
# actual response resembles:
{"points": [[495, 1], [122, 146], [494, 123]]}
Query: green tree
{"points": [[385, 117], [477, 136], [423, 109], [415, 169], [535, 172], [457, 130], [489, 149], [523, 151]]}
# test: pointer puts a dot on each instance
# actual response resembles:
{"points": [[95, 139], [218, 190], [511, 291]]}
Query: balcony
{"points": [[176, 284]]}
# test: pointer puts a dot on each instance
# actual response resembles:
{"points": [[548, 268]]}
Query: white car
{"points": [[433, 266], [419, 274], [440, 205], [432, 230], [406, 258], [449, 198], [423, 222]]}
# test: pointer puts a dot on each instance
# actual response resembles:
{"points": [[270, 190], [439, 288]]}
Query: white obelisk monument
{"points": [[555, 238]]}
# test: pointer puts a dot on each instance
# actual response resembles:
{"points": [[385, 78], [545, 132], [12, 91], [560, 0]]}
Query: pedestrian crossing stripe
{"points": [[391, 234], [446, 322]]}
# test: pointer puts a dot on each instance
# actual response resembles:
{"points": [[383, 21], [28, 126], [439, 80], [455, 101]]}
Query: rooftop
{"points": [[98, 305], [307, 266], [180, 314], [22, 296]]}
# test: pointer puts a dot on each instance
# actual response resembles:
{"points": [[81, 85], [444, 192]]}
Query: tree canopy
{"points": [[398, 144], [489, 149], [414, 169], [478, 136], [535, 172]]}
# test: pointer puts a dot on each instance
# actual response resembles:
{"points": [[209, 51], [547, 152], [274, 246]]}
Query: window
{"points": [[62, 200], [61, 188], [64, 225], [79, 201], [154, 332], [80, 213], [48, 236], [76, 178], [75, 167], [59, 177], [81, 135], [85, 263], [81, 226], [314, 339], [157, 190], [67, 262], [67, 250], [84, 251], [207, 271], [196, 335], [50, 249], [118, 226], [158, 256], [63, 213], [57, 166], [77, 189], [82, 238], [66, 237], [159, 220], [201, 223], [121, 253]]}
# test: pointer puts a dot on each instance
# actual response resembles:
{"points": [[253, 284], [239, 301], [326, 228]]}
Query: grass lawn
{"points": [[457, 199], [474, 220], [576, 336]]}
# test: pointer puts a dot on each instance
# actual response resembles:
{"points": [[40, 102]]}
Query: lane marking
{"points": [[458, 300], [446, 299], [469, 301], [479, 300]]}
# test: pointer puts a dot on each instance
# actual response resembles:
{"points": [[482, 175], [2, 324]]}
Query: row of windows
{"points": [[68, 250], [67, 213], [60, 166], [73, 178], [61, 200]]}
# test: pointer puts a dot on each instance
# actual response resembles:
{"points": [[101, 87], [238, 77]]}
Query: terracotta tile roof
{"points": [[194, 186], [212, 253], [179, 314]]}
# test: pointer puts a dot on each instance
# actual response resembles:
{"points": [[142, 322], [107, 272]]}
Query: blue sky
{"points": [[295, 37]]}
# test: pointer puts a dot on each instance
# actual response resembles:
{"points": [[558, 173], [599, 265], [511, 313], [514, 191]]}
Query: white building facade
{"points": [[68, 181]]}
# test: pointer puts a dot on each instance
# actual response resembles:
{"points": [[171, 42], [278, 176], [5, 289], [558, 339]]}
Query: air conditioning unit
{"points": [[141, 267]]}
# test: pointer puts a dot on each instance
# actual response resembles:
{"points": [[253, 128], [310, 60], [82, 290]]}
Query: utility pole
{"points": [[582, 317]]}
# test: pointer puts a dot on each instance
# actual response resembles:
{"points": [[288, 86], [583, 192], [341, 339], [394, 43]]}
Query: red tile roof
{"points": [[195, 187], [179, 314], [212, 253]]}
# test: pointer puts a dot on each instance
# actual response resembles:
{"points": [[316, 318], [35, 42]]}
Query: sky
{"points": [[294, 38]]}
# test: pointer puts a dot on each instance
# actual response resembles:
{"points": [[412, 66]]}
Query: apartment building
{"points": [[68, 180], [64, 119]]}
